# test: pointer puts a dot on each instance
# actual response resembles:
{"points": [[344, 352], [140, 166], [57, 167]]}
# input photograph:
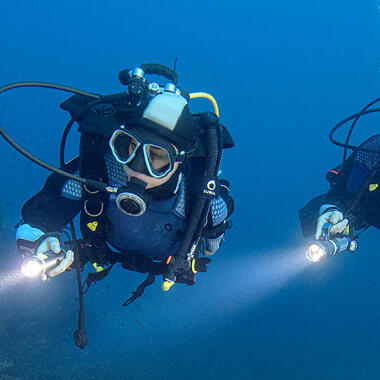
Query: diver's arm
{"points": [[345, 184], [56, 204], [44, 214], [221, 208], [326, 206], [353, 185]]}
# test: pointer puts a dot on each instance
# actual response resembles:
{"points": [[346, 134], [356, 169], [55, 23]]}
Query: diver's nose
{"points": [[132, 174], [138, 163]]}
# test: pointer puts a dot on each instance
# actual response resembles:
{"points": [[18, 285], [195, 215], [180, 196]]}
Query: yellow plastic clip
{"points": [[92, 226], [97, 267], [166, 285], [193, 266], [373, 186]]}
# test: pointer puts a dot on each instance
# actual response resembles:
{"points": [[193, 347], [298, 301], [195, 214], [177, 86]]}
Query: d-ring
{"points": [[91, 192], [93, 215]]}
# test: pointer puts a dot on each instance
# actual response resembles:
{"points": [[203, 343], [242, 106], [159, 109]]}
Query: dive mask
{"points": [[159, 155]]}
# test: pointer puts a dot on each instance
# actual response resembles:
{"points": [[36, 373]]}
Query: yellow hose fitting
{"points": [[166, 285], [205, 95], [193, 266], [97, 267]]}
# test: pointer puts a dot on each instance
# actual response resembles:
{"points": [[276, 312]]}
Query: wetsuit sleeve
{"points": [[56, 204], [308, 215], [221, 208], [353, 184]]}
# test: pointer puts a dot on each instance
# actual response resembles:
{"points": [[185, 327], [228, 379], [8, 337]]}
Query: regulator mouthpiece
{"points": [[132, 199]]}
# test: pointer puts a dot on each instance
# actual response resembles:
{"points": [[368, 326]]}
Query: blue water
{"points": [[283, 72]]}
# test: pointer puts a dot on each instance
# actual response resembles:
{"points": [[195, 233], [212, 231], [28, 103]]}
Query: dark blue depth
{"points": [[283, 73]]}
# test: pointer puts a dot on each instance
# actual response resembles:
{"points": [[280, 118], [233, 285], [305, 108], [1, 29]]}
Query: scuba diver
{"points": [[145, 184], [336, 219]]}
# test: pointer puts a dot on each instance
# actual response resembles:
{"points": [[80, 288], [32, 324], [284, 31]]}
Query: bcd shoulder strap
{"points": [[93, 222]]}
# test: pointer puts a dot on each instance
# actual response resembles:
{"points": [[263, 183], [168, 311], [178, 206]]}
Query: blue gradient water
{"points": [[283, 73]]}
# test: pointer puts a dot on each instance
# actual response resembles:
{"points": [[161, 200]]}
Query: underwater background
{"points": [[283, 73]]}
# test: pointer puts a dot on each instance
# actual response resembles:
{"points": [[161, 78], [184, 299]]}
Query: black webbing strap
{"points": [[140, 289], [92, 278], [93, 223]]}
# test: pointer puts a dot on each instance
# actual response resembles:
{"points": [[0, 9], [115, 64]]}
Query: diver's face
{"points": [[151, 181], [158, 160]]}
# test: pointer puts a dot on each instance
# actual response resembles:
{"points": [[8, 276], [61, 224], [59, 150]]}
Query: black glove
{"points": [[197, 265], [200, 264], [180, 268], [178, 265]]}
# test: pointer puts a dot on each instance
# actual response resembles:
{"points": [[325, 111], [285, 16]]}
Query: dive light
{"points": [[328, 246], [35, 266]]}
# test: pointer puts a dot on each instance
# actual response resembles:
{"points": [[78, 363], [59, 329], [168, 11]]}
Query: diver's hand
{"points": [[200, 264], [52, 244], [49, 244], [176, 266], [63, 265], [183, 271], [333, 216]]}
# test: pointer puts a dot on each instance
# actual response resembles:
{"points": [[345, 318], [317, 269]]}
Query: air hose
{"points": [[194, 228]]}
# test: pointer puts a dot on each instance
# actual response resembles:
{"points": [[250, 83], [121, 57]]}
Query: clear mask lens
{"points": [[123, 146], [158, 159]]}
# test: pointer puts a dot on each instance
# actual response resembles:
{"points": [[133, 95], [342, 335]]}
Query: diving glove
{"points": [[52, 244], [176, 267], [330, 214], [183, 271], [32, 242]]}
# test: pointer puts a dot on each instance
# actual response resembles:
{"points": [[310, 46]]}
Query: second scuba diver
{"points": [[163, 204], [352, 204]]}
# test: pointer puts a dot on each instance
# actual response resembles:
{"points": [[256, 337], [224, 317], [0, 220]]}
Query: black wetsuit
{"points": [[155, 235], [354, 189]]}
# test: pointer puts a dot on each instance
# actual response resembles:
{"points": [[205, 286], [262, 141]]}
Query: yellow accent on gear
{"points": [[92, 226], [97, 267], [373, 186], [193, 266], [346, 231], [195, 95], [166, 285]]}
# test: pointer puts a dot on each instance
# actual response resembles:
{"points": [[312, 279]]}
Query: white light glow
{"points": [[315, 253], [32, 269]]}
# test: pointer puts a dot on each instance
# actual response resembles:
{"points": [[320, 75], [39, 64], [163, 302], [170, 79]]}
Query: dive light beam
{"points": [[258, 275], [9, 280]]}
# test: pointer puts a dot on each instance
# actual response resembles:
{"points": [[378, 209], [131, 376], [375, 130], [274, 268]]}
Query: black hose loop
{"points": [[346, 120], [353, 126]]}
